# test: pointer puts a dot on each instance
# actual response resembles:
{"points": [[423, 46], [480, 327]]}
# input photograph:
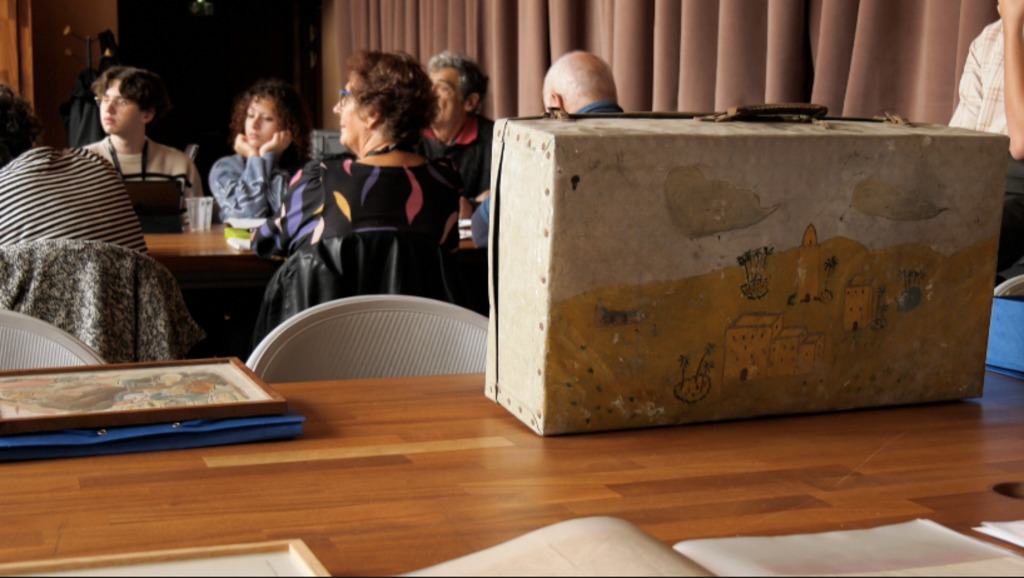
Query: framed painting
{"points": [[99, 396]]}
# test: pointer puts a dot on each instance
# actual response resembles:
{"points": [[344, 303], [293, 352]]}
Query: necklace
{"points": [[381, 151], [117, 164]]}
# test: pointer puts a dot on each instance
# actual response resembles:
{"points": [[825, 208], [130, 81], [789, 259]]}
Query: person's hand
{"points": [[277, 143], [480, 198], [243, 147]]}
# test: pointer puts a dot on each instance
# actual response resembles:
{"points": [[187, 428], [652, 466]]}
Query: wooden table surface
{"points": [[398, 474], [204, 259], [197, 257]]}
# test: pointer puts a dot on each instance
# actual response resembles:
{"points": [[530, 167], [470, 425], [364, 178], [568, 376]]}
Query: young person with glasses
{"points": [[130, 99]]}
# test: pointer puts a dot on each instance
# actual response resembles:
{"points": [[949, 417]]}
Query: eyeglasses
{"points": [[343, 96], [119, 101]]}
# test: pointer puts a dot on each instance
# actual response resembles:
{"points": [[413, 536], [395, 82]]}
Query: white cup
{"points": [[200, 212], [205, 213]]}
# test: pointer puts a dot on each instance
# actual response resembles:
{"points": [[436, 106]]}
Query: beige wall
{"points": [[53, 71]]}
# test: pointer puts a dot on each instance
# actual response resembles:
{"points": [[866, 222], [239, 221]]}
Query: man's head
{"points": [[19, 128], [577, 79], [129, 98], [460, 86]]}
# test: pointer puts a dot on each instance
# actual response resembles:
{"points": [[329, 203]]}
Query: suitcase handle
{"points": [[789, 112]]}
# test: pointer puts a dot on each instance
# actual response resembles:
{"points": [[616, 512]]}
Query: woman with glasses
{"points": [[383, 109], [381, 220], [270, 130]]}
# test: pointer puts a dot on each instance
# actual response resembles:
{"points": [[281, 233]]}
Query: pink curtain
{"points": [[859, 58]]}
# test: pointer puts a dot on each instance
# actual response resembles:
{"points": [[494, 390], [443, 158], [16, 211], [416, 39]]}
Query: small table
{"points": [[223, 286], [203, 259]]}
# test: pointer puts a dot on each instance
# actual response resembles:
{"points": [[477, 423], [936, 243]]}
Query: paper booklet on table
{"points": [[605, 546], [238, 232]]}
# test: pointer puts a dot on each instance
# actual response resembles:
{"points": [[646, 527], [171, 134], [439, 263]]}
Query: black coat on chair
{"points": [[378, 262]]}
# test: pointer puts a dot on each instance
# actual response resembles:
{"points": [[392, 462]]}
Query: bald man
{"points": [[580, 83]]}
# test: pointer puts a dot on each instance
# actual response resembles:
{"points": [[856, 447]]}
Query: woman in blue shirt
{"points": [[270, 130]]}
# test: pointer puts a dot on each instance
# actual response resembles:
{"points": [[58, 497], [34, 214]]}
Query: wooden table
{"points": [[223, 286], [398, 474], [204, 259]]}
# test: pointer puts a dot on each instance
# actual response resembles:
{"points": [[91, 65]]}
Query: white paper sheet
{"points": [[1012, 532], [240, 244], [244, 223], [919, 547]]}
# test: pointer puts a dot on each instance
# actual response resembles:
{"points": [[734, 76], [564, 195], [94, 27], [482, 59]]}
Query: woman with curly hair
{"points": [[383, 109], [270, 130]]}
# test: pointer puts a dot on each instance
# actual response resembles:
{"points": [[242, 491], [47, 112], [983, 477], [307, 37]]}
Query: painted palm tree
{"points": [[696, 387], [830, 267]]}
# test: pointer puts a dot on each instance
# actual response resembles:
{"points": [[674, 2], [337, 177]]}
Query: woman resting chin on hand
{"points": [[270, 127]]}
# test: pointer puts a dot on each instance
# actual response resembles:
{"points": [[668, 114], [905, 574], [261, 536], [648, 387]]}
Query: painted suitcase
{"points": [[651, 271]]}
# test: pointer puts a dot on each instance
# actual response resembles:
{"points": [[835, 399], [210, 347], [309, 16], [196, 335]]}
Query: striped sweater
{"points": [[46, 193]]}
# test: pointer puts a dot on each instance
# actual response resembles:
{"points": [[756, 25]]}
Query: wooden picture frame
{"points": [[273, 558], [100, 396]]}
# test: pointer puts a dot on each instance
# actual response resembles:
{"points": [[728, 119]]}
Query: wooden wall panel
{"points": [[56, 58], [9, 53]]}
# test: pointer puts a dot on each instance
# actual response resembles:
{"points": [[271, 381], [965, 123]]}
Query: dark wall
{"points": [[206, 60]]}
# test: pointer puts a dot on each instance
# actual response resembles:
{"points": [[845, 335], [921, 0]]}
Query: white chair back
{"points": [[30, 343], [369, 336], [1012, 286]]}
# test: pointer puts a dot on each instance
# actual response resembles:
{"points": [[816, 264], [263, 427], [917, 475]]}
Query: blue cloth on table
{"points": [[1006, 336], [150, 437]]}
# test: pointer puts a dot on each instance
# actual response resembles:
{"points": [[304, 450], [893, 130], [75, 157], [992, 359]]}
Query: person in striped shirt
{"points": [[49, 193]]}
